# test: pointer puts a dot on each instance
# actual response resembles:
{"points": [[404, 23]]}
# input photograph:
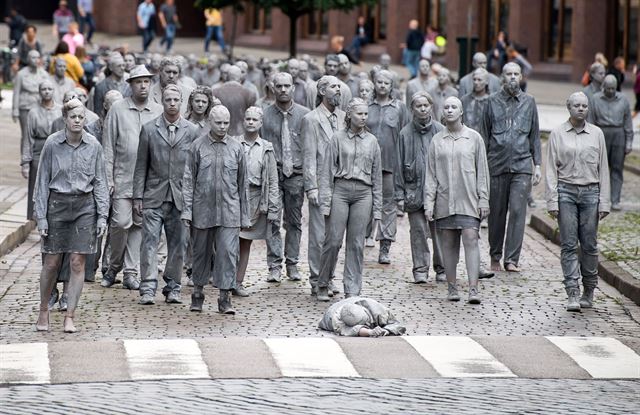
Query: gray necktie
{"points": [[333, 119], [287, 158], [172, 133]]}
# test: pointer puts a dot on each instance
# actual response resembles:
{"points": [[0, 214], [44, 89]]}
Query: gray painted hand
{"points": [[554, 214], [603, 215], [43, 232], [312, 195], [187, 223], [25, 171], [537, 176]]}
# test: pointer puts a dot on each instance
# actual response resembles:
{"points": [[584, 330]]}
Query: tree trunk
{"points": [[293, 34]]}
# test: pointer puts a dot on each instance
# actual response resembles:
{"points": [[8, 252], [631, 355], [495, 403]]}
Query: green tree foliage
{"points": [[292, 8]]}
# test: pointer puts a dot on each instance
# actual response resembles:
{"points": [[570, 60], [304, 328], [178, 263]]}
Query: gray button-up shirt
{"points": [[262, 178], [612, 113], [272, 132], [413, 146], [106, 85], [457, 175], [577, 157], [26, 85], [214, 186], [511, 133], [61, 87], [120, 138], [352, 157], [39, 127], [385, 123], [70, 170], [473, 110]]}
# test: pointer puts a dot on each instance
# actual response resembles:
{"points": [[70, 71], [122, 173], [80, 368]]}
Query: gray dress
{"points": [[262, 175]]}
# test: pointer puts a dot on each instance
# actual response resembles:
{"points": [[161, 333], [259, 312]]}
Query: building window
{"points": [[377, 16], [433, 13], [494, 18], [627, 30], [259, 19], [316, 25], [558, 20]]}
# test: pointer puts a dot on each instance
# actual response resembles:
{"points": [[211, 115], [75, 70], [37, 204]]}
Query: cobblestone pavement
{"points": [[337, 396]]}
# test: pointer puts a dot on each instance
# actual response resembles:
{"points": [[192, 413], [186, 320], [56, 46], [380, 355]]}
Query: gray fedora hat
{"points": [[139, 71]]}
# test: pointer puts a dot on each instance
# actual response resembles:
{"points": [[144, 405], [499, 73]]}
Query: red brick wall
{"points": [[587, 35]]}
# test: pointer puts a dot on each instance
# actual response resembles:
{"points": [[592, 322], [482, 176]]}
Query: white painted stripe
{"points": [[602, 357], [165, 359], [456, 356], [24, 363], [310, 357]]}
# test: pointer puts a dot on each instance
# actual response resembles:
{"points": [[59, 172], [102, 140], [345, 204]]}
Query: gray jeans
{"points": [[292, 196], [316, 239], [154, 219], [509, 193], [578, 223], [223, 245], [387, 226], [419, 231], [125, 238], [615, 141], [350, 210]]}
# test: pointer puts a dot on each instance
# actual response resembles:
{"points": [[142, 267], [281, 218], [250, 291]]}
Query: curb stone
{"points": [[609, 271]]}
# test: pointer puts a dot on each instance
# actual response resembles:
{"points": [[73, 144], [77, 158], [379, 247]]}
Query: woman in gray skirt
{"points": [[71, 206], [264, 197], [457, 195]]}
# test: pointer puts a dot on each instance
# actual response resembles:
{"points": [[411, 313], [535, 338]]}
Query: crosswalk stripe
{"points": [[457, 356], [24, 363], [165, 359], [602, 357], [310, 357]]}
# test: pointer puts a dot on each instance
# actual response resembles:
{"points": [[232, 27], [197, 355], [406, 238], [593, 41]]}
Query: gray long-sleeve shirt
{"points": [[457, 181], [39, 127], [70, 170], [612, 112], [262, 174], [120, 138], [473, 110], [214, 186], [352, 157], [385, 123], [413, 146], [26, 89], [272, 132], [577, 157], [511, 133], [316, 137]]}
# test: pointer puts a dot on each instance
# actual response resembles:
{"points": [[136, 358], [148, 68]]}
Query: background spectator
{"points": [[73, 38], [61, 19], [85, 10], [214, 28], [414, 42], [617, 70], [361, 38], [169, 20], [74, 68], [27, 43], [17, 24], [146, 22]]}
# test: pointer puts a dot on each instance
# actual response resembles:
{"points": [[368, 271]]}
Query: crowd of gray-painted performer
{"points": [[212, 155]]}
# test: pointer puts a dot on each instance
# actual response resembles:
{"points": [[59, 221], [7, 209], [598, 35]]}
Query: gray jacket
{"points": [[237, 99], [120, 138], [413, 146], [316, 135], [160, 163]]}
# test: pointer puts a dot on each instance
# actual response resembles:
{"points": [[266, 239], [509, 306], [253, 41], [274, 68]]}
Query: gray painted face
{"points": [[75, 119], [140, 88], [219, 121], [452, 110], [422, 109], [578, 106], [60, 68], [609, 86]]}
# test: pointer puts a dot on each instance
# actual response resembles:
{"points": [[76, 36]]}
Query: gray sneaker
{"points": [[131, 282], [453, 293], [173, 298], [369, 242], [147, 299], [275, 275], [293, 274], [240, 291], [333, 289], [323, 294], [474, 297], [441, 277], [573, 304]]}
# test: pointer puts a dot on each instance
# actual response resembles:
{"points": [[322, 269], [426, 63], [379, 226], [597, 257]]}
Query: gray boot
{"points": [[197, 298], [573, 303], [453, 292], [323, 294], [224, 303], [586, 301], [383, 257]]}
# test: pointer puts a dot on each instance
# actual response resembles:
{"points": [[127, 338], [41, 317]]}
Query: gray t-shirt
{"points": [[169, 12]]}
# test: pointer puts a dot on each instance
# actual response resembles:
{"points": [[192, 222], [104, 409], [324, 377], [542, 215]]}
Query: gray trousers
{"points": [[316, 240], [24, 127], [125, 238], [154, 219], [615, 141], [578, 223], [387, 226], [292, 197], [350, 211], [419, 231], [509, 193], [223, 245]]}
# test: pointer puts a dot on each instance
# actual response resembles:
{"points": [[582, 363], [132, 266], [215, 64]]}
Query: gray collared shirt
{"points": [[413, 146], [457, 181], [39, 127], [70, 170], [26, 87], [214, 186], [120, 139], [473, 110], [511, 133], [352, 157], [612, 113], [272, 132], [577, 157], [262, 179], [385, 123]]}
